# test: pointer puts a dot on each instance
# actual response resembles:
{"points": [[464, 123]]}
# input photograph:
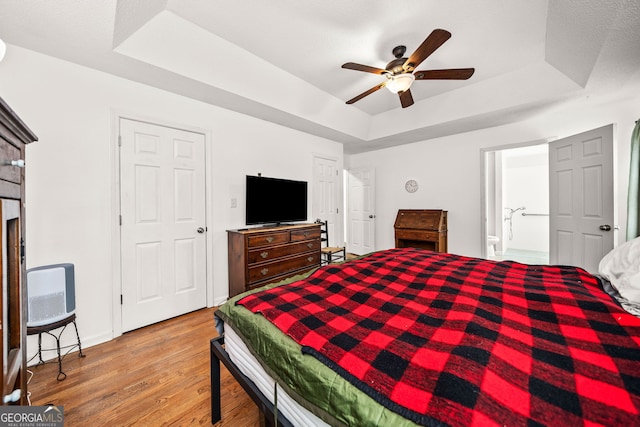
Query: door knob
{"points": [[200, 230], [605, 227], [372, 216]]}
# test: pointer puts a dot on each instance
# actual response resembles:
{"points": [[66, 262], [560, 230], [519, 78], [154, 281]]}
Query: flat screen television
{"points": [[275, 201]]}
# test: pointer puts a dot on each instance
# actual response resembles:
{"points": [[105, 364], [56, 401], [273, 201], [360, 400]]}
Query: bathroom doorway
{"points": [[516, 203]]}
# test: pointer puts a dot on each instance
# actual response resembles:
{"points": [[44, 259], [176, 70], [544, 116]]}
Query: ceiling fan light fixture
{"points": [[400, 82]]}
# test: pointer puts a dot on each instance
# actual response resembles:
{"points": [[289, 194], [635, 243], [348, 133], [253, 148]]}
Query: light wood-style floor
{"points": [[154, 376]]}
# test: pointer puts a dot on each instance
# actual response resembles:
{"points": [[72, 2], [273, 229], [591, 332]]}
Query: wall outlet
{"points": [[234, 202]]}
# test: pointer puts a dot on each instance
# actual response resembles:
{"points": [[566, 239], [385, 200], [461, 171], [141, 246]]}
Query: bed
{"points": [[407, 337]]}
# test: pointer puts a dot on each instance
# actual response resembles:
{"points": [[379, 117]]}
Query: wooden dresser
{"points": [[421, 228], [262, 255], [14, 135]]}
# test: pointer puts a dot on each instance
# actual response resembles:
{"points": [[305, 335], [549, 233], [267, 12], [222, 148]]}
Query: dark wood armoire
{"points": [[14, 135]]}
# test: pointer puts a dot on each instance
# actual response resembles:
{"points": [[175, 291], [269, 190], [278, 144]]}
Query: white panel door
{"points": [[326, 196], [361, 212], [163, 245], [581, 198]]}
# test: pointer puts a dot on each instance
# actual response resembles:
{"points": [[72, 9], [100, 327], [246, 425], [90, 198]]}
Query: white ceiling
{"points": [[279, 60]]}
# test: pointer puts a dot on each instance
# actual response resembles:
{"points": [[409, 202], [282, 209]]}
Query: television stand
{"points": [[262, 255]]}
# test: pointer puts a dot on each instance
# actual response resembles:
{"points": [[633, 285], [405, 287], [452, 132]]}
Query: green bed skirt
{"points": [[325, 393]]}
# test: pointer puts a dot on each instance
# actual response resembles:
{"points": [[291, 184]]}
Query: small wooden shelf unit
{"points": [[262, 255]]}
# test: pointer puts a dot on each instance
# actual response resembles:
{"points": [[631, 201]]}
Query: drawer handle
{"points": [[264, 271], [309, 245], [13, 396], [269, 239], [310, 259], [18, 163], [306, 234], [264, 254]]}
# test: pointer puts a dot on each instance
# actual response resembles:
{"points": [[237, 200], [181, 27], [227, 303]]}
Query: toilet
{"points": [[492, 241]]}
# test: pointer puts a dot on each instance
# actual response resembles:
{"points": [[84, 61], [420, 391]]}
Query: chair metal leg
{"points": [[40, 361], [78, 337], [61, 375]]}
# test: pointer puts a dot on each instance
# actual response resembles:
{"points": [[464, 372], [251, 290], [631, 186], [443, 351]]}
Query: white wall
{"points": [[71, 171], [448, 168], [525, 181]]}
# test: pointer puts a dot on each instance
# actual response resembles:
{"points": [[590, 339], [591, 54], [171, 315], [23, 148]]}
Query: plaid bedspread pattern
{"points": [[450, 340]]}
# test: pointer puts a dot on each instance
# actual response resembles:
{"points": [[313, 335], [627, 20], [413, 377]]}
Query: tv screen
{"points": [[273, 200]]}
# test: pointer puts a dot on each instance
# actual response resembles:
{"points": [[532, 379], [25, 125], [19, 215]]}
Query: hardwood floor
{"points": [[153, 376]]}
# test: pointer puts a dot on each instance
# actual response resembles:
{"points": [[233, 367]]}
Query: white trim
{"points": [[116, 281], [208, 173]]}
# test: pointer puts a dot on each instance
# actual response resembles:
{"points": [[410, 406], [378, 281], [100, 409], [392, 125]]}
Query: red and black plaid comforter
{"points": [[446, 339]]}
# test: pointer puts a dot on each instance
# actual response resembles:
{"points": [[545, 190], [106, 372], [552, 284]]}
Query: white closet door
{"points": [[163, 244], [362, 203], [326, 199]]}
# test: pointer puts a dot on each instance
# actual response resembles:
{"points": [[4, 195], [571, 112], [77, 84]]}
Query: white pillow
{"points": [[621, 267]]}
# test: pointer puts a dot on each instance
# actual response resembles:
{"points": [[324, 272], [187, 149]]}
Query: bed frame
{"points": [[269, 415]]}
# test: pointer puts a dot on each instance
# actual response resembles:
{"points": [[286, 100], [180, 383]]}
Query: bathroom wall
{"points": [[525, 183]]}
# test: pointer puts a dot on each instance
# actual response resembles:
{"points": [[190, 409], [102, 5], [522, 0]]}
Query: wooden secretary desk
{"points": [[421, 228], [14, 135]]}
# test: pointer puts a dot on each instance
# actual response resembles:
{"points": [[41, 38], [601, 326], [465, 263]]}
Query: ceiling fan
{"points": [[400, 72]]}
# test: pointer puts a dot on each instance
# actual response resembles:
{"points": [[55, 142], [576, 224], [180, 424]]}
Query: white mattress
{"points": [[249, 365]]}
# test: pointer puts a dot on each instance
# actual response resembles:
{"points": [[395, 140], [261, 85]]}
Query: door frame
{"points": [[483, 178], [114, 218]]}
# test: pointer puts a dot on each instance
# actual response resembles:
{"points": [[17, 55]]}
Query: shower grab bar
{"points": [[533, 214]]}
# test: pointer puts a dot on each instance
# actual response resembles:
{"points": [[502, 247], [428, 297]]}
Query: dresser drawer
{"points": [[268, 239], [270, 253], [263, 272], [305, 234]]}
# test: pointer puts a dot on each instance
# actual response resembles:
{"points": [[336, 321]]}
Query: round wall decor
{"points": [[411, 186]]}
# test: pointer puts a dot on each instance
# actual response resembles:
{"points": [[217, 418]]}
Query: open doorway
{"points": [[516, 201]]}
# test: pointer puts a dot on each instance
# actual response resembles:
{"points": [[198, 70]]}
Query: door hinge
{"points": [[22, 250], [120, 219], [121, 300], [119, 141], [337, 210]]}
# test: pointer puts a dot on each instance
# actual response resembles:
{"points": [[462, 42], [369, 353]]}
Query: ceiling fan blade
{"points": [[448, 74], [369, 92], [365, 68], [428, 46], [406, 99]]}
